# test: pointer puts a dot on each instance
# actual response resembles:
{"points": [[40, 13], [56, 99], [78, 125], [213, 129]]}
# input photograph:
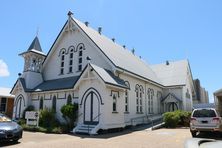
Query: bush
{"points": [[21, 121], [47, 118], [69, 113], [176, 118], [184, 118]]}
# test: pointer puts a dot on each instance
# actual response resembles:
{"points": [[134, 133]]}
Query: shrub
{"points": [[171, 119], [177, 118], [21, 121], [69, 113], [184, 118], [47, 118]]}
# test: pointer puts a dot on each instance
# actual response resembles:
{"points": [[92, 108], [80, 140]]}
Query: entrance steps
{"points": [[86, 129]]}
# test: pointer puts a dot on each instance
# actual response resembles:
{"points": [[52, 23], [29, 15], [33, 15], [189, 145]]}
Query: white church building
{"points": [[111, 85]]}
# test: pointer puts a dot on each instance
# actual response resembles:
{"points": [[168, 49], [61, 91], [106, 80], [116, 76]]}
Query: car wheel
{"points": [[15, 140], [194, 134]]}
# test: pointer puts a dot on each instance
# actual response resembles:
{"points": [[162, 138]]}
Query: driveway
{"points": [[161, 138]]}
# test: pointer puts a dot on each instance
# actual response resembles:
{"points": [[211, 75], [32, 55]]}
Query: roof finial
{"points": [[37, 32], [133, 51], [70, 13], [99, 30], [88, 58]]}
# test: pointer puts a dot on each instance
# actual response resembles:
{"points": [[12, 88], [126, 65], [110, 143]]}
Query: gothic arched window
{"points": [[71, 51], [54, 103], [62, 59], [80, 49], [150, 94], [69, 99], [127, 97], [139, 98], [41, 103]]}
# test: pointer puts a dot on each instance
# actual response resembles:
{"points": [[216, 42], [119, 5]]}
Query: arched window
{"points": [[159, 96], [141, 98], [151, 101], [54, 103], [127, 97], [126, 101], [137, 98], [71, 51], [114, 103], [80, 49], [41, 104], [62, 63], [150, 94], [69, 99]]}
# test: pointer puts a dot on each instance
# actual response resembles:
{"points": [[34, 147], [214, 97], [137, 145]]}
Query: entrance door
{"points": [[91, 109], [19, 105], [172, 106]]}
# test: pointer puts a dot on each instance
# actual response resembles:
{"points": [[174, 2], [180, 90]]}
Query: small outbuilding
{"points": [[6, 101]]}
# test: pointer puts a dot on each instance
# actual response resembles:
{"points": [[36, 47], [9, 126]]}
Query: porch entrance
{"points": [[91, 109]]}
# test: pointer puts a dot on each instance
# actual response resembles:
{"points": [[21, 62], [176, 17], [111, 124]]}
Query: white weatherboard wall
{"points": [[132, 98], [52, 67]]}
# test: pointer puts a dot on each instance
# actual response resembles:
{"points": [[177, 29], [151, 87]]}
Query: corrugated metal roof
{"points": [[118, 55], [173, 74], [173, 95], [108, 77], [57, 84], [35, 45]]}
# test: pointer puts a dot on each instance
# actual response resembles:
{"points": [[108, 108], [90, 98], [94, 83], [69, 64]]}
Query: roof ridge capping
{"points": [[118, 55]]}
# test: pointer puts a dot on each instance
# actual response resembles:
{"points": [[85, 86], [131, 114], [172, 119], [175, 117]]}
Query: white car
{"points": [[205, 119], [202, 143]]}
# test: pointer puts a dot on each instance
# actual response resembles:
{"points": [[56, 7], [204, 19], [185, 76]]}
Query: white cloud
{"points": [[3, 69]]}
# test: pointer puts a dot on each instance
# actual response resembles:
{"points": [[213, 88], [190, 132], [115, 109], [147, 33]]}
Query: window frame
{"points": [[5, 105]]}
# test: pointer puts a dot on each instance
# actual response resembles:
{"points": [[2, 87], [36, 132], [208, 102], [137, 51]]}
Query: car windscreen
{"points": [[4, 118], [204, 113]]}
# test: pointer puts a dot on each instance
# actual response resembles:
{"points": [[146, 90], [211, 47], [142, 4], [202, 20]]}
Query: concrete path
{"points": [[161, 138]]}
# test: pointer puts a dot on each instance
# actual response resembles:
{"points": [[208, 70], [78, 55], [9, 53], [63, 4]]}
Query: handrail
{"points": [[96, 117]]}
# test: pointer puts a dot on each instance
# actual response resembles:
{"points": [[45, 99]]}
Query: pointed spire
{"points": [[35, 45]]}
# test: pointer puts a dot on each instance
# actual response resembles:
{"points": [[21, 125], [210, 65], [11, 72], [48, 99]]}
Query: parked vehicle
{"points": [[9, 130], [202, 143], [205, 119]]}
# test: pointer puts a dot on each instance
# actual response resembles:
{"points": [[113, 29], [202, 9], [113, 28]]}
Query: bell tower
{"points": [[33, 60]]}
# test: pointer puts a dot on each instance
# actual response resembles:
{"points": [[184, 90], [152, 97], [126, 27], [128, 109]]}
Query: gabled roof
{"points": [[22, 81], [35, 45], [173, 95], [57, 84], [119, 56], [108, 77], [175, 73]]}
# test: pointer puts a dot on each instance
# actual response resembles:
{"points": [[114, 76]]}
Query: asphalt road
{"points": [[161, 138]]}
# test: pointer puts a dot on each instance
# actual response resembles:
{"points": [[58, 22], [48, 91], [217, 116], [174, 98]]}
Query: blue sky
{"points": [[159, 30]]}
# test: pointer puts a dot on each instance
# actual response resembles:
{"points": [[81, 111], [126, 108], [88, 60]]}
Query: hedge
{"points": [[176, 119]]}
